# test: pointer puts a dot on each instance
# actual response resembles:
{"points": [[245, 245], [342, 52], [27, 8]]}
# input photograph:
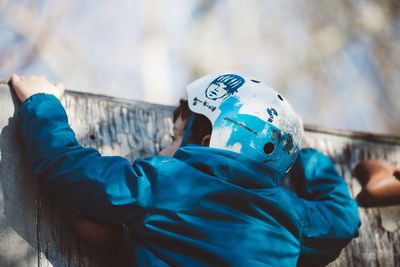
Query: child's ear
{"points": [[205, 141]]}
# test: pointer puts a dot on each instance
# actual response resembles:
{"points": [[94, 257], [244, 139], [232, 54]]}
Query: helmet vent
{"points": [[255, 81], [269, 148], [279, 96]]}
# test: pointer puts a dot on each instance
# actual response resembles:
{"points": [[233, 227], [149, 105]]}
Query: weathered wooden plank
{"points": [[378, 243], [34, 230]]}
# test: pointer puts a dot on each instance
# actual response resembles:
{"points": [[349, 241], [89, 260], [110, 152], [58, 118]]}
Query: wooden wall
{"points": [[34, 230]]}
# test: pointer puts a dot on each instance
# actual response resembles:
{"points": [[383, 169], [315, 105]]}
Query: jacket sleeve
{"points": [[330, 219], [108, 189]]}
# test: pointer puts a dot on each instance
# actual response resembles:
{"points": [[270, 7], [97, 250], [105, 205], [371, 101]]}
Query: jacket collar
{"points": [[227, 165]]}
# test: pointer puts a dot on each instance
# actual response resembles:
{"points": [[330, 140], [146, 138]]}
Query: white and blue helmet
{"points": [[248, 117]]}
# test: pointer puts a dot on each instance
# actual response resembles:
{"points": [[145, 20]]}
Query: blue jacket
{"points": [[202, 207]]}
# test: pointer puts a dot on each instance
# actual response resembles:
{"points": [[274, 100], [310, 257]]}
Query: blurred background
{"points": [[337, 61]]}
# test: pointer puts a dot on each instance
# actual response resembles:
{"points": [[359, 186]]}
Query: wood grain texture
{"points": [[375, 246], [36, 229]]}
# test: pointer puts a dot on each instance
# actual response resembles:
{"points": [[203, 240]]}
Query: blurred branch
{"points": [[48, 47]]}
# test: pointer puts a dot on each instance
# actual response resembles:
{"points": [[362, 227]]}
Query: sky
{"points": [[337, 62]]}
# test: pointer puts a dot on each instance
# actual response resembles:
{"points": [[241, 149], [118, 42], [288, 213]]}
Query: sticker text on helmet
{"points": [[271, 112], [204, 103]]}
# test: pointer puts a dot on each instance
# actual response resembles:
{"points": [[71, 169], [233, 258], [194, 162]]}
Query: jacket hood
{"points": [[229, 166]]}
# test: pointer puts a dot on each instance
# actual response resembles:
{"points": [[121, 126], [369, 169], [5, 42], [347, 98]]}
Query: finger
{"points": [[60, 86], [14, 78]]}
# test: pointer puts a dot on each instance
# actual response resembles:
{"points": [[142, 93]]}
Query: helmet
{"points": [[248, 117]]}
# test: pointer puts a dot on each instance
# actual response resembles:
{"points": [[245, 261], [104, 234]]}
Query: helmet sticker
{"points": [[277, 135], [288, 143], [223, 86]]}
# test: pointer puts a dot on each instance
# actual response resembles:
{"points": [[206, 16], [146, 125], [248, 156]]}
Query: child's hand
{"points": [[26, 86], [380, 183], [97, 234]]}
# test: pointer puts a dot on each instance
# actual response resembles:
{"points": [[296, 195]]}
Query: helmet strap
{"points": [[189, 126]]}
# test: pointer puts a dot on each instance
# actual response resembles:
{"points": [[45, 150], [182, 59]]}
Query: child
{"points": [[212, 197]]}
